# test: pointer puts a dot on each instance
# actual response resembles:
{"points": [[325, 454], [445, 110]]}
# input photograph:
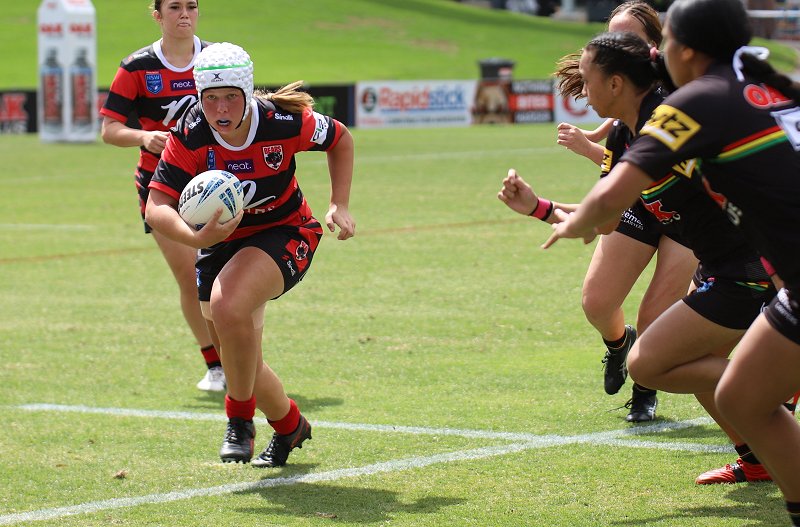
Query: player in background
{"points": [[685, 349], [268, 247], [155, 85], [622, 255], [737, 116], [635, 16]]}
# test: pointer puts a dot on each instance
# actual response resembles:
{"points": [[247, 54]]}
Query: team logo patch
{"points": [[273, 156], [301, 252], [671, 126], [153, 82]]}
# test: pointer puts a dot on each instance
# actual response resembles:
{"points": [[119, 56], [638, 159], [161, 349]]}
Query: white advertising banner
{"points": [[67, 91], [405, 104], [570, 110]]}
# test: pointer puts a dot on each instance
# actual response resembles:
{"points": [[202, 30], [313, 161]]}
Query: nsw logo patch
{"points": [[671, 126], [153, 82]]}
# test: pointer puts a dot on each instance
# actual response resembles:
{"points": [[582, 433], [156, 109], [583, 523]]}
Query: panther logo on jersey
{"points": [[664, 216], [273, 156]]}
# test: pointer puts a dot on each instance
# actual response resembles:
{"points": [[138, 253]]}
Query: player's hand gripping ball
{"points": [[206, 193]]}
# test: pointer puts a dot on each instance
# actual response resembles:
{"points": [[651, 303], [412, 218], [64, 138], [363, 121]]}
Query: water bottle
{"points": [[52, 92]]}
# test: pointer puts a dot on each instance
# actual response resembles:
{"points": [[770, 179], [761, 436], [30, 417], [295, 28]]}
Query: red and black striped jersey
{"points": [[153, 90], [265, 164]]}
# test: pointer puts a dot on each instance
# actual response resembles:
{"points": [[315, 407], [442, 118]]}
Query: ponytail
{"points": [[289, 97], [568, 78], [763, 71]]}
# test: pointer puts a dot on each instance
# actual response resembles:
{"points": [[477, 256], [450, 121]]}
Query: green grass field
{"points": [[442, 357], [331, 41]]}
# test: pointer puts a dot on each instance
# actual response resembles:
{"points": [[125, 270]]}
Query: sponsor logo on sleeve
{"points": [[608, 159], [671, 126], [685, 168], [321, 129]]}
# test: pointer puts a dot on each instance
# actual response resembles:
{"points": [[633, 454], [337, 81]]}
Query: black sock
{"points": [[746, 454], [793, 507], [641, 389], [616, 344]]}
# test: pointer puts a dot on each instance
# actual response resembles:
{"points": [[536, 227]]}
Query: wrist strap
{"points": [[543, 209]]}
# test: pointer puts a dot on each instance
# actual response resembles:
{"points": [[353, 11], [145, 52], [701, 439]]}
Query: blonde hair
{"points": [[289, 97]]}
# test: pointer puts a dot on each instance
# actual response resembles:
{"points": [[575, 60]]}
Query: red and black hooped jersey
{"points": [[744, 136], [682, 207], [265, 164], [157, 93]]}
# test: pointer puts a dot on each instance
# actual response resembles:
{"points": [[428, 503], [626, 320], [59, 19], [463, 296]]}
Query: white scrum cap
{"points": [[224, 65]]}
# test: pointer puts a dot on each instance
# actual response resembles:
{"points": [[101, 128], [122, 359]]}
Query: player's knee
{"points": [[596, 307]]}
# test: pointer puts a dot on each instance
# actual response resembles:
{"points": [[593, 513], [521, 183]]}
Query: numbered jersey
{"points": [[150, 89], [743, 137], [265, 164]]}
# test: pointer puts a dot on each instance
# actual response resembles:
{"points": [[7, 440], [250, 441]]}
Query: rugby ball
{"points": [[206, 193]]}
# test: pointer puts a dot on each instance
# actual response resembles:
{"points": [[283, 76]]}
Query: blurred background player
{"points": [[268, 247], [154, 85]]}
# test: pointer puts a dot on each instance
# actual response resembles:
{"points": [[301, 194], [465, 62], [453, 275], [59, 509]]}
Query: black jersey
{"points": [[156, 92], [265, 164], [683, 208], [744, 136]]}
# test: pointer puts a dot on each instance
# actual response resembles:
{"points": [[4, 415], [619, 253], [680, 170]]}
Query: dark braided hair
{"points": [[627, 54], [645, 14], [715, 27], [568, 79], [718, 28]]}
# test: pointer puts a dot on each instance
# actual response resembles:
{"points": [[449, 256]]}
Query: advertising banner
{"points": [[398, 104], [67, 91], [570, 110]]}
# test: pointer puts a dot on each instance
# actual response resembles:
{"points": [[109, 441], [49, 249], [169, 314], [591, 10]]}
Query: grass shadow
{"points": [[755, 503], [345, 504]]}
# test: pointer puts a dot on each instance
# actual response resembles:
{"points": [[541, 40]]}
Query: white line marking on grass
{"points": [[415, 430], [332, 475], [522, 442]]}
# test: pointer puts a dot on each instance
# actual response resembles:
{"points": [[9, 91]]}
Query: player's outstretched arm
{"points": [[520, 197]]}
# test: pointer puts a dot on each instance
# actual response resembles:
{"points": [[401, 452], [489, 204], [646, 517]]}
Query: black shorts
{"points": [[729, 303], [291, 247], [637, 223], [783, 314], [143, 178]]}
